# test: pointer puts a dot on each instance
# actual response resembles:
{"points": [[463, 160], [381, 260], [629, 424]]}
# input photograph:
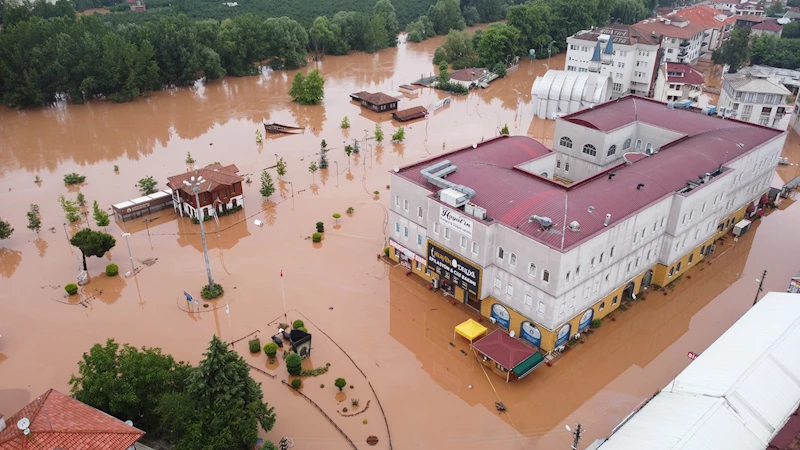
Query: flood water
{"points": [[396, 331]]}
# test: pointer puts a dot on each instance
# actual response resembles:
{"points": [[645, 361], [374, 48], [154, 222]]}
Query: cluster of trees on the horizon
{"points": [[765, 49]]}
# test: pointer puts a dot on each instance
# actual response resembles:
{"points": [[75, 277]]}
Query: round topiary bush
{"points": [[294, 364], [320, 227], [112, 270], [298, 323], [271, 349], [255, 345], [316, 237], [304, 329], [340, 383], [210, 293], [71, 288], [296, 383], [596, 323]]}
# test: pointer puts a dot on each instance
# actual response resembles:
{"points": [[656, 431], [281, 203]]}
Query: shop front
{"points": [[407, 258], [455, 276]]}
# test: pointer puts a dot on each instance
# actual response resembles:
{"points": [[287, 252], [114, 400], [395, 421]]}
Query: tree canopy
{"points": [[735, 51], [5, 229], [629, 11], [308, 90], [772, 51], [92, 243], [498, 44]]}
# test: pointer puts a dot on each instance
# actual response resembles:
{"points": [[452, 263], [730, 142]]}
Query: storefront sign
{"points": [[692, 355], [407, 253], [529, 332], [586, 320], [501, 315], [461, 273], [563, 334], [456, 221], [138, 207]]}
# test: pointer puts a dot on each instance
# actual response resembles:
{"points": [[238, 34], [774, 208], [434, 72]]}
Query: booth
{"points": [[470, 330], [504, 354]]}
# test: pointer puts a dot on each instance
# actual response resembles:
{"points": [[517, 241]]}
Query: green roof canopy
{"points": [[527, 366]]}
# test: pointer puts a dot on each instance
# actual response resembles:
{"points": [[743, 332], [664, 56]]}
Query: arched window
{"points": [[546, 276], [512, 260], [638, 144], [566, 142], [627, 144], [648, 148], [590, 150], [612, 150], [532, 269], [500, 253]]}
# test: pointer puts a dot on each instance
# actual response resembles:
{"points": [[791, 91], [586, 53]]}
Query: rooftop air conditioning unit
{"points": [[469, 208], [453, 197], [479, 212]]}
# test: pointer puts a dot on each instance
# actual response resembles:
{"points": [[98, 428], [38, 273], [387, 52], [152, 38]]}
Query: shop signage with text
{"points": [[461, 273], [455, 221]]}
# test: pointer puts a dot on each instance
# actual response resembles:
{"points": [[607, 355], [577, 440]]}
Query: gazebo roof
{"points": [[504, 349], [470, 330]]}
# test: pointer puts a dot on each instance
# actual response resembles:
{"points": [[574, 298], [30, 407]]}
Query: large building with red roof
{"points": [[633, 193], [57, 421], [220, 191]]}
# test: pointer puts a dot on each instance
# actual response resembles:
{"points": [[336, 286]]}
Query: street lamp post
{"points": [[130, 255], [337, 173], [276, 159], [195, 185]]}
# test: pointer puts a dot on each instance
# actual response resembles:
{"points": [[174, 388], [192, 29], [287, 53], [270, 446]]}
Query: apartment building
{"points": [[633, 194], [677, 82], [751, 95], [628, 57], [681, 39], [740, 7]]}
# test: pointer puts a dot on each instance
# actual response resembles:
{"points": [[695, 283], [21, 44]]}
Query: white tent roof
{"points": [[568, 85], [736, 396]]}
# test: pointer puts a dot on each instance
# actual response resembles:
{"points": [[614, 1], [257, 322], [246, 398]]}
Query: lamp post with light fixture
{"points": [[130, 255], [195, 185]]}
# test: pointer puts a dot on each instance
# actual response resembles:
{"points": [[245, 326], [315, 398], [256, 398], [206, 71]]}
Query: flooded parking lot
{"points": [[396, 331]]}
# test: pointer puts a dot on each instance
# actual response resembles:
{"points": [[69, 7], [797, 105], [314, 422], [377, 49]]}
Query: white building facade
{"points": [[752, 96], [678, 82], [681, 39], [628, 57]]}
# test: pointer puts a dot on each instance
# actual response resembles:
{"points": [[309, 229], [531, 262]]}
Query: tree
{"points": [[280, 166], [499, 43], [312, 168], [294, 364], [421, 29], [504, 131], [81, 199], [446, 16], [322, 35], [735, 51], [100, 216], [323, 158], [92, 243], [189, 159], [128, 383], [399, 135], [336, 217], [458, 49], [34, 220], [378, 133], [471, 16], [270, 349], [776, 52], [287, 42], [267, 186], [791, 30], [147, 185], [488, 10], [71, 210], [385, 10], [376, 36], [444, 74], [630, 11], [533, 20], [345, 123], [5, 229], [776, 10], [356, 148], [340, 383], [307, 90], [500, 70], [227, 405]]}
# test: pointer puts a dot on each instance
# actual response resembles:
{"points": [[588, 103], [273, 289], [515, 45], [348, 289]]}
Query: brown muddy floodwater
{"points": [[393, 328]]}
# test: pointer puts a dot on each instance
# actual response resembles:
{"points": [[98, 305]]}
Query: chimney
{"points": [[2, 423], [607, 221]]}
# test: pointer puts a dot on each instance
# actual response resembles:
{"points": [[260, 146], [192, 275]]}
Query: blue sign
{"points": [[530, 333], [188, 297], [563, 334], [501, 315], [586, 320]]}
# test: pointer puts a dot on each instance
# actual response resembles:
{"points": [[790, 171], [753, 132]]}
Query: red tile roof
{"points": [[510, 195], [468, 74], [217, 175], [690, 74], [662, 29], [377, 98], [61, 422], [504, 349], [410, 113], [768, 25], [707, 16]]}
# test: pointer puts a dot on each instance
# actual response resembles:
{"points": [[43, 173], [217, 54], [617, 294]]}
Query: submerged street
{"points": [[374, 325]]}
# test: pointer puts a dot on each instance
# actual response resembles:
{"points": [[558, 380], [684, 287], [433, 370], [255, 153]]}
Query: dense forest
{"points": [[768, 50]]}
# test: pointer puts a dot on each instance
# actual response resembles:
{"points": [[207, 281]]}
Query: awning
{"points": [[470, 330], [750, 208], [528, 365]]}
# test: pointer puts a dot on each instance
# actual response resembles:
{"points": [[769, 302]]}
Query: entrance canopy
{"points": [[470, 329], [504, 349]]}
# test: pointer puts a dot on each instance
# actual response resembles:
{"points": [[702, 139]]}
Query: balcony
{"points": [[684, 43], [682, 53]]}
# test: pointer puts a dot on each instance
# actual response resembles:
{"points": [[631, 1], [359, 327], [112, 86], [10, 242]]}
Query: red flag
{"points": [[281, 273]]}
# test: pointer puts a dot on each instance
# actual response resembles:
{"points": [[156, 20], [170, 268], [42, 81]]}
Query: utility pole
{"points": [[760, 286], [578, 431], [196, 184]]}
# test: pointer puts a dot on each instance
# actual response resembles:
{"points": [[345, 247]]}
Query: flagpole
{"points": [[283, 292], [230, 329]]}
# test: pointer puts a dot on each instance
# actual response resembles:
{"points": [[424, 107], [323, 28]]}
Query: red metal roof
{"points": [[504, 349], [662, 29], [216, 175], [61, 422], [690, 74], [510, 196], [768, 25], [707, 16]]}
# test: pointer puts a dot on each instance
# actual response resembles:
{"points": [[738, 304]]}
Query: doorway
{"points": [[647, 280], [472, 301], [627, 294]]}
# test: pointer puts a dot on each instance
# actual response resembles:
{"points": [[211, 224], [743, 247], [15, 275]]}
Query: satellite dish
{"points": [[23, 424], [396, 169], [568, 428], [129, 423], [474, 145]]}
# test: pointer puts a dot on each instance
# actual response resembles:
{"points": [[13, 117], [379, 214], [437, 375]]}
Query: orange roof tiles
{"points": [[661, 28], [61, 422], [216, 175], [706, 16]]}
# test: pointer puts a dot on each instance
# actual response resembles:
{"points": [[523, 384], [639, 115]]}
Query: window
{"points": [[498, 283], [671, 271], [567, 277], [703, 209], [602, 306], [638, 144], [512, 260], [649, 148], [397, 228], [637, 262], [611, 255], [691, 257], [621, 64], [397, 201], [601, 257], [561, 310], [419, 239], [617, 86], [612, 150], [662, 223], [629, 267], [635, 235], [618, 76], [678, 267], [606, 278], [474, 248], [501, 254], [405, 231], [419, 212], [566, 167], [436, 227], [591, 263], [542, 308], [509, 290], [649, 253], [590, 150], [614, 300], [627, 144], [447, 233], [546, 276], [586, 291], [528, 301], [463, 242], [558, 164], [566, 142], [683, 221], [405, 205], [532, 269]]}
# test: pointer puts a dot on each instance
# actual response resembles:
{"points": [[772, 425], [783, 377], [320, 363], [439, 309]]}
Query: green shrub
{"points": [[354, 402], [340, 383], [336, 216], [271, 349], [344, 410], [294, 364], [376, 192], [255, 345], [303, 329], [386, 251], [350, 210], [298, 324], [112, 269], [209, 293], [505, 131], [71, 288], [296, 383], [316, 237], [596, 323], [73, 178], [451, 87], [320, 227]]}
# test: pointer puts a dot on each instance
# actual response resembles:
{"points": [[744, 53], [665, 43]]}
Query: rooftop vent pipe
{"points": [[435, 175], [706, 177], [575, 226], [639, 186], [607, 221], [611, 175], [545, 222]]}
